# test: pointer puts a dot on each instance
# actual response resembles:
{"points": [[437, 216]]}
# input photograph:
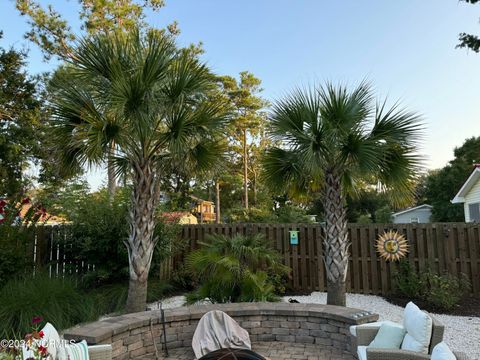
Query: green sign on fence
{"points": [[293, 237]]}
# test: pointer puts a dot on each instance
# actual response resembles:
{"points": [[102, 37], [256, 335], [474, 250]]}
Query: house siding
{"points": [[472, 197], [423, 215]]}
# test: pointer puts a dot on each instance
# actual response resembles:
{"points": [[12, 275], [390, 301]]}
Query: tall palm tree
{"points": [[335, 137], [151, 100]]}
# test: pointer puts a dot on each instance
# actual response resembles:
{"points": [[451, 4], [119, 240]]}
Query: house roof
{"points": [[175, 216], [467, 186], [413, 209]]}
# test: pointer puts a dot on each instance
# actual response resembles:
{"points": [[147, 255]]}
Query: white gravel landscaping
{"points": [[462, 333]]}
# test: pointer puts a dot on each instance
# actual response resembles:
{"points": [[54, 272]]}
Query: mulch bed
{"points": [[469, 306]]}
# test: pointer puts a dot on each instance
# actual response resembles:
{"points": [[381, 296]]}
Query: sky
{"points": [[406, 49]]}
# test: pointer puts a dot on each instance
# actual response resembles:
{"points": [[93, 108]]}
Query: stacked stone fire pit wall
{"points": [[132, 335]]}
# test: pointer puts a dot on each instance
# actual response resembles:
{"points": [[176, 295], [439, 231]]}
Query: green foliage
{"points": [[61, 301], [383, 215], [440, 291], [445, 291], [442, 185], [329, 129], [235, 269], [286, 213], [113, 297], [251, 215], [98, 230], [407, 280], [55, 300], [54, 35], [364, 219], [20, 122], [469, 41], [17, 236]]}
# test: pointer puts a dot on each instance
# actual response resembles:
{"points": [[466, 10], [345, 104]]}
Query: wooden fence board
{"points": [[440, 247]]}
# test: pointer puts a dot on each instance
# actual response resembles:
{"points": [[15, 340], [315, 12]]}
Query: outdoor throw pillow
{"points": [[76, 351], [388, 337], [441, 351], [419, 329]]}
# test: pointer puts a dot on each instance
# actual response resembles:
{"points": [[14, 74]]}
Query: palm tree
{"points": [[235, 269], [334, 137], [150, 99]]}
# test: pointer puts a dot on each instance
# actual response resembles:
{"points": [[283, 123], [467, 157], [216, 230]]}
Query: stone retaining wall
{"points": [[132, 335]]}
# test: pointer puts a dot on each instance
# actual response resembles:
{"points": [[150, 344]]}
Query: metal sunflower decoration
{"points": [[392, 245]]}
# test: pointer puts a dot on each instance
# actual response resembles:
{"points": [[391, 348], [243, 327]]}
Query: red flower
{"points": [[43, 351], [26, 200], [37, 319], [2, 203], [41, 334]]}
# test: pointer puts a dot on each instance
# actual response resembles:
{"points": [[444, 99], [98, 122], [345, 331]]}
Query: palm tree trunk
{"points": [[141, 241], [111, 182], [217, 201], [245, 169], [336, 240]]}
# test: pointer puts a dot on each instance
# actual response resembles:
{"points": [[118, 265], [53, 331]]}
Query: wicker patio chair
{"points": [[363, 335]]}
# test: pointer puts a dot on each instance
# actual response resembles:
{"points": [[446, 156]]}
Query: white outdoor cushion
{"points": [[362, 352], [388, 337], [441, 351], [51, 338], [376, 324], [419, 329]]}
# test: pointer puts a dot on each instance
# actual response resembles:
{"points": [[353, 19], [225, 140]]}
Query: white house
{"points": [[416, 215], [469, 195]]}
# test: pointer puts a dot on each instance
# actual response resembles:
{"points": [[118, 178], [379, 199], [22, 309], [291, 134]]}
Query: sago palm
{"points": [[151, 99], [333, 137], [235, 269]]}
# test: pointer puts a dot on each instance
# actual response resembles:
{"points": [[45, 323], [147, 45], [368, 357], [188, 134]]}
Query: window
{"points": [[474, 210], [414, 220]]}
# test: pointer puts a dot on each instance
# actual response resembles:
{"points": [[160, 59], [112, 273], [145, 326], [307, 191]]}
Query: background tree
{"points": [[158, 111], [249, 120], [20, 122], [467, 40], [442, 185], [336, 137], [55, 37]]}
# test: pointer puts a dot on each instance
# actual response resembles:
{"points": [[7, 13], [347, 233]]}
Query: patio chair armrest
{"points": [[365, 335], [461, 355], [100, 352], [395, 354]]}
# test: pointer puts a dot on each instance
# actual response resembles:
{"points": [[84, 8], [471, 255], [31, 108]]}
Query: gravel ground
{"points": [[462, 333]]}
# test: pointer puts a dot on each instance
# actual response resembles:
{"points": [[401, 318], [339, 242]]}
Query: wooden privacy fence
{"points": [[52, 250], [452, 248]]}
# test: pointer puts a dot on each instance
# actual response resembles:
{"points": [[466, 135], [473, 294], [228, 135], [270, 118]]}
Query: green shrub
{"points": [[56, 300], [98, 230], [383, 215], [61, 302], [439, 291], [113, 297], [235, 269], [445, 291], [408, 282]]}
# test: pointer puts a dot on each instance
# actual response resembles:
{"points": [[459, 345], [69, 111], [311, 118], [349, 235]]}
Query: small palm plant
{"points": [[333, 138], [235, 269]]}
